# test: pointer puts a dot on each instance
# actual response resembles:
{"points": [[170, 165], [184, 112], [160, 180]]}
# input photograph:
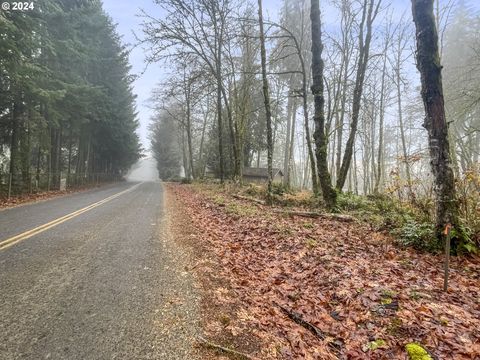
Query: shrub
{"points": [[419, 235], [279, 189], [254, 190], [352, 202], [468, 244]]}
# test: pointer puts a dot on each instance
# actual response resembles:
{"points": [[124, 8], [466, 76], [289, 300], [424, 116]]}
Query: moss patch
{"points": [[417, 352]]}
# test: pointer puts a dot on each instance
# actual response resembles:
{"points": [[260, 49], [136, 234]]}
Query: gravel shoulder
{"points": [[217, 304], [180, 323]]}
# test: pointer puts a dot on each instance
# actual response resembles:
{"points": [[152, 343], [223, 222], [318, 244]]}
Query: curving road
{"points": [[96, 284]]}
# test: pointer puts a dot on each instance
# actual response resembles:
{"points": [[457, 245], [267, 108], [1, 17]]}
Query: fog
{"points": [[143, 170]]}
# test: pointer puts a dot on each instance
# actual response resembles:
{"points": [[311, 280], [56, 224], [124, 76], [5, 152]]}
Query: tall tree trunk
{"points": [[321, 140], [381, 147], [78, 165], [355, 171], [373, 117], [266, 98], [219, 109], [292, 143], [286, 157], [232, 130], [70, 149], [200, 151], [308, 138], [186, 167], [428, 64], [365, 159], [402, 138], [401, 44], [333, 146], [87, 157], [55, 150], [27, 149], [189, 126], [14, 150], [340, 125], [39, 158], [220, 126]]}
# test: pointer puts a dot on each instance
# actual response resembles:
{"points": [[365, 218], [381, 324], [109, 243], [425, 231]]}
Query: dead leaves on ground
{"points": [[34, 197], [366, 296]]}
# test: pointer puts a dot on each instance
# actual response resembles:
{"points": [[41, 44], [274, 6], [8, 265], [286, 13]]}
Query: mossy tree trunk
{"points": [[321, 139], [428, 63]]}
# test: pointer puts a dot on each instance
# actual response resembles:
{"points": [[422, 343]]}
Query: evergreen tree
{"points": [[66, 102]]}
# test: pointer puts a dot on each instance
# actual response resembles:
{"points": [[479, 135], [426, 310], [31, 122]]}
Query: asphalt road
{"points": [[96, 286]]}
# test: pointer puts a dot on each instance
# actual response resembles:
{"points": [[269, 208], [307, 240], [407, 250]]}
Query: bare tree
{"points": [[370, 12], [266, 97], [401, 42], [304, 95], [196, 28], [383, 99]]}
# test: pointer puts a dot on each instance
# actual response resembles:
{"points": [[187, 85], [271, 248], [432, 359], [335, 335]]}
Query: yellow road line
{"points": [[39, 229]]}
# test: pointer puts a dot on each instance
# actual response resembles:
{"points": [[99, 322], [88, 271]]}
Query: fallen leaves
{"points": [[39, 196], [367, 297]]}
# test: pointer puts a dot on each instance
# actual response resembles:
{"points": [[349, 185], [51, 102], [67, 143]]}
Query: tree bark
{"points": [[381, 147], [286, 158], [233, 131], [187, 84], [292, 144], [428, 63], [321, 140], [218, 77], [14, 145], [306, 119], [266, 98], [200, 151], [402, 136]]}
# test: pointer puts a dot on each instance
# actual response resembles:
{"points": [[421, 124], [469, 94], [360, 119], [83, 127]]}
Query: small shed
{"points": [[260, 175]]}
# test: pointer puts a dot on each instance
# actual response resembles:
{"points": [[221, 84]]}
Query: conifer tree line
{"points": [[66, 103]]}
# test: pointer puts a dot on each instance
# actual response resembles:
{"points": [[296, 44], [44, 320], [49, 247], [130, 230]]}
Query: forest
{"points": [[331, 94], [67, 110]]}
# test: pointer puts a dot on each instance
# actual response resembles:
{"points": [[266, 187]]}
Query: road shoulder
{"points": [[181, 306], [220, 308]]}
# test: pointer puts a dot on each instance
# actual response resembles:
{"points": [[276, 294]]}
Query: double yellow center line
{"points": [[39, 229]]}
